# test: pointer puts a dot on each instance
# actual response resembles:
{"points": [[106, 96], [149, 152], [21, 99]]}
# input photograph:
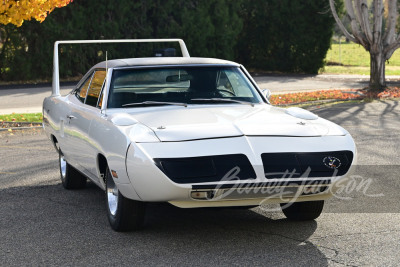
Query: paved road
{"points": [[27, 100], [43, 224]]}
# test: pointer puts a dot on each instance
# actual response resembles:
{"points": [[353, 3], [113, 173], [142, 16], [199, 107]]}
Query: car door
{"points": [[83, 109], [93, 104], [68, 131]]}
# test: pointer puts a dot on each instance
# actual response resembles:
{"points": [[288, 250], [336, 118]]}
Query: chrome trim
{"points": [[90, 83], [106, 90]]}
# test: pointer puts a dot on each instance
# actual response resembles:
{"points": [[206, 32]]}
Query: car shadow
{"points": [[43, 224]]}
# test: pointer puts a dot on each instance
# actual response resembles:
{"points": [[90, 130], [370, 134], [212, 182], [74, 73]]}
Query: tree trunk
{"points": [[377, 75]]}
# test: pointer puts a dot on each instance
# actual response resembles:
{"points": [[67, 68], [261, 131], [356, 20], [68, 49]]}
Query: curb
{"points": [[19, 128], [22, 125]]}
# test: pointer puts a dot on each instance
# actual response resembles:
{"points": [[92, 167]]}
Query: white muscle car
{"points": [[194, 132]]}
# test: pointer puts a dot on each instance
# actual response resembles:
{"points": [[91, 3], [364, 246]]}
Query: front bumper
{"points": [[152, 185]]}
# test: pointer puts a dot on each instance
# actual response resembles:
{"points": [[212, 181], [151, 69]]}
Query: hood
{"points": [[204, 122]]}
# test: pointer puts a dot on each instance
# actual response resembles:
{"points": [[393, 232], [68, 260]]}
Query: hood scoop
{"points": [[301, 113], [171, 124], [123, 119]]}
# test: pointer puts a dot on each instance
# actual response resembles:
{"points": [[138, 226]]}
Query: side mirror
{"points": [[266, 93]]}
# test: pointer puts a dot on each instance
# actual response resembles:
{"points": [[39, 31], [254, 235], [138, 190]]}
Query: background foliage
{"points": [[285, 35], [273, 35], [17, 11]]}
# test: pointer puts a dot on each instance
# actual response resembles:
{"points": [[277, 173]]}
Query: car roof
{"points": [[127, 62]]}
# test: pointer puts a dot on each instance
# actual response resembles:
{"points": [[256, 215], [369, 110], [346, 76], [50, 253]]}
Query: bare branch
{"points": [[390, 31], [355, 26], [378, 20], [362, 16], [389, 50], [340, 23]]}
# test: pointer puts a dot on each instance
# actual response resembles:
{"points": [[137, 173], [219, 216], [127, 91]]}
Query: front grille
{"points": [[206, 169], [310, 164]]}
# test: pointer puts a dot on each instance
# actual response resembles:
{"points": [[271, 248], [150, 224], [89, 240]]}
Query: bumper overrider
{"points": [[239, 171]]}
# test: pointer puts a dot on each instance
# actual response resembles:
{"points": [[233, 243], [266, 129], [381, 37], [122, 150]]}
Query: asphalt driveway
{"points": [[43, 224]]}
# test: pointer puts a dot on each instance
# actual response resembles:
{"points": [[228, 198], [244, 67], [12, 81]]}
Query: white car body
{"points": [[135, 142]]}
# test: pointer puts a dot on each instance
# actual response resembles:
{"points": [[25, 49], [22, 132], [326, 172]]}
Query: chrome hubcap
{"points": [[112, 196], [63, 167]]}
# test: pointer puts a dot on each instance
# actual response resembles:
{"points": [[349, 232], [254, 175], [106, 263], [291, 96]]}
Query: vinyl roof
{"points": [[162, 61]]}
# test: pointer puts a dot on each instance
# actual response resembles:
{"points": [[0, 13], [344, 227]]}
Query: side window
{"points": [[82, 91], [95, 87]]}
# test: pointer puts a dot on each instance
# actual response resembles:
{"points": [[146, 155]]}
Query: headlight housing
{"points": [[140, 133]]}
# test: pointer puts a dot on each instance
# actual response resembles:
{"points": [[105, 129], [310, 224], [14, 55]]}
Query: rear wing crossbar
{"points": [[56, 71]]}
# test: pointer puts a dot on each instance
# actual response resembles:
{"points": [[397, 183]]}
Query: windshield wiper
{"points": [[223, 100], [150, 103]]}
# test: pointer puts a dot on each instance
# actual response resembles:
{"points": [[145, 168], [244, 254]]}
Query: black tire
{"points": [[124, 214], [303, 211], [70, 177]]}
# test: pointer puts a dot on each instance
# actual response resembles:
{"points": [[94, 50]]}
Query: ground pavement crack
{"points": [[352, 234], [306, 241]]}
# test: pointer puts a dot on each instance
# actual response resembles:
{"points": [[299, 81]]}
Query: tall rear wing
{"points": [[56, 71]]}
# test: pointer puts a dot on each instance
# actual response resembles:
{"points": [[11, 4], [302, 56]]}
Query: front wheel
{"points": [[123, 214], [303, 211], [70, 177]]}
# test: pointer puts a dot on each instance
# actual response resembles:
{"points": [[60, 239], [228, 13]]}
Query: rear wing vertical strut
{"points": [[56, 70]]}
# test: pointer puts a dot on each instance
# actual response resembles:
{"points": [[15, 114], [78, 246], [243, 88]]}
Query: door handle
{"points": [[71, 117]]}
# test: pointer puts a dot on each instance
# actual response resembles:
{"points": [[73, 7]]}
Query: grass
{"points": [[350, 58], [294, 98], [24, 117]]}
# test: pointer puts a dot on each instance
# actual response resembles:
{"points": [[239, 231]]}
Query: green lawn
{"points": [[28, 117], [350, 58]]}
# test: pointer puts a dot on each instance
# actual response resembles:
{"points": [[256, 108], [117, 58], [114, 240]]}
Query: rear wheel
{"points": [[303, 211], [124, 214], [70, 177]]}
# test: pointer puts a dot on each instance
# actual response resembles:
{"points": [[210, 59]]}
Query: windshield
{"points": [[188, 85]]}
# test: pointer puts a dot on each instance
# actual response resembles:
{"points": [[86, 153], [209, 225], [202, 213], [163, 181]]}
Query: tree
{"points": [[285, 35], [210, 29], [16, 11], [376, 33]]}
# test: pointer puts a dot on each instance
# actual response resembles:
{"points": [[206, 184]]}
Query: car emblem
{"points": [[332, 162]]}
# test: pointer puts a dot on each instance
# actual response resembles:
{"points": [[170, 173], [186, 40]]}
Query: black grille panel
{"points": [[311, 164], [206, 169]]}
